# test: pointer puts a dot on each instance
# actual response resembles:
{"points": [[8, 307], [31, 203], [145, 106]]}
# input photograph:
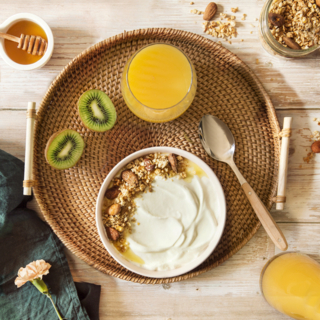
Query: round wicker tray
{"points": [[227, 88]]}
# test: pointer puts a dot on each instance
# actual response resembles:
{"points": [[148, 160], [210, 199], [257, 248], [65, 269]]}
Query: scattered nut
{"points": [[276, 19], [114, 209], [210, 11], [234, 10], [291, 43], [315, 147], [112, 234], [173, 161], [129, 177], [112, 193], [148, 165]]}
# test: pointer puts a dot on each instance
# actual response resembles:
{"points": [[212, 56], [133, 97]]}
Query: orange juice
{"points": [[158, 83], [291, 284], [25, 27]]}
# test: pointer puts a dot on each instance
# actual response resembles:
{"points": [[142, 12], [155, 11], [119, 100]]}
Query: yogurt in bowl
{"points": [[178, 219]]}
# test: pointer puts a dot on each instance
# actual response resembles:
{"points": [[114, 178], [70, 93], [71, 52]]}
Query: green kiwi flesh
{"points": [[97, 111], [64, 149]]}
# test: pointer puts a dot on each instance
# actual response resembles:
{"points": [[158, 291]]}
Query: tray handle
{"points": [[285, 134], [28, 183]]}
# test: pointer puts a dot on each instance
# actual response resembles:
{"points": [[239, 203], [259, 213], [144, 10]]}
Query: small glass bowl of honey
{"points": [[25, 23]]}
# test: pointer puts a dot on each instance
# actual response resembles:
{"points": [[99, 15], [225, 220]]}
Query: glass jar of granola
{"points": [[301, 24]]}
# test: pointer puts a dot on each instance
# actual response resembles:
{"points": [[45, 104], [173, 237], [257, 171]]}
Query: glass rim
{"points": [[127, 73], [275, 44]]}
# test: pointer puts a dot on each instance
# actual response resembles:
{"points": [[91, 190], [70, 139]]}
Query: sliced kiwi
{"points": [[64, 149], [97, 111]]}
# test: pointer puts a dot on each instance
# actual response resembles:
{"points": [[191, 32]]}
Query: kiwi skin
{"points": [[78, 109], [48, 145]]}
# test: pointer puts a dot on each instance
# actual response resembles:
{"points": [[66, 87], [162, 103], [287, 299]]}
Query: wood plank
{"points": [[230, 291], [303, 178], [77, 25]]}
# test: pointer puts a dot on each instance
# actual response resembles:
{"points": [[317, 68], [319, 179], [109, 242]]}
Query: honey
{"points": [[131, 256], [18, 55], [193, 170]]}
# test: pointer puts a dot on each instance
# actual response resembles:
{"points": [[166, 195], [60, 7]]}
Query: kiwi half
{"points": [[97, 111], [64, 149]]}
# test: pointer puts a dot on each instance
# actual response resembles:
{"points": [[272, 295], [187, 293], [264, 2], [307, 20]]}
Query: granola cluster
{"points": [[137, 177], [317, 120], [220, 29], [225, 30], [316, 137], [301, 22]]}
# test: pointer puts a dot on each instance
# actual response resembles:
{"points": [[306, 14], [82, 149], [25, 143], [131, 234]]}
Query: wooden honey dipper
{"points": [[33, 44]]}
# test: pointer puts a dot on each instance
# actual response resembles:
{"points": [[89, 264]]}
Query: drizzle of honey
{"points": [[128, 254], [131, 256], [193, 170], [18, 55]]}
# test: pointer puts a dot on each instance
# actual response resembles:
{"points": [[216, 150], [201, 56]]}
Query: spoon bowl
{"points": [[216, 138]]}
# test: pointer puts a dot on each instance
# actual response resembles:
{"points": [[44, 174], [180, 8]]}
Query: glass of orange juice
{"points": [[290, 282], [159, 82]]}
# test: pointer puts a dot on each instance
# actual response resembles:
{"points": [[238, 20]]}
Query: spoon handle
{"points": [[265, 218]]}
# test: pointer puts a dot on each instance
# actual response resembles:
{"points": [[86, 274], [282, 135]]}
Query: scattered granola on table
{"points": [[225, 30], [135, 178], [315, 147], [317, 120], [308, 157], [218, 29], [295, 23], [316, 135]]}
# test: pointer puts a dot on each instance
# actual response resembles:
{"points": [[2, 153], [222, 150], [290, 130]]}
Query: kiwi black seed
{"points": [[64, 149], [97, 111]]}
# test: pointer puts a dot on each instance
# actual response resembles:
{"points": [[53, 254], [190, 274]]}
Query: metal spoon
{"points": [[219, 143]]}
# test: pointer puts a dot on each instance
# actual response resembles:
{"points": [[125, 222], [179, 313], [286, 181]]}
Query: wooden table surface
{"points": [[230, 291]]}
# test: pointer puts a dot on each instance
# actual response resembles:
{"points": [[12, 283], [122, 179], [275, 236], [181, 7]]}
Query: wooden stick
{"points": [[27, 190], [283, 164], [9, 37]]}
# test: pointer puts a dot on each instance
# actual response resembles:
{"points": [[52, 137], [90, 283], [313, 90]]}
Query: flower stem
{"points": [[42, 287], [55, 308]]}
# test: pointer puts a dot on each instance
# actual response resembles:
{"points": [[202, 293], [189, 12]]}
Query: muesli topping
{"points": [[137, 177]]}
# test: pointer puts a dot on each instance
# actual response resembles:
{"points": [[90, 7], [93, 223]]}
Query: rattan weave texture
{"points": [[227, 88]]}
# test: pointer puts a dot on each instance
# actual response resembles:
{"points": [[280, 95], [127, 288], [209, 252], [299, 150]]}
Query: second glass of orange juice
{"points": [[290, 282], [158, 83]]}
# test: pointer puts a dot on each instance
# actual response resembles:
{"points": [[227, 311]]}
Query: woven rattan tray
{"points": [[227, 88]]}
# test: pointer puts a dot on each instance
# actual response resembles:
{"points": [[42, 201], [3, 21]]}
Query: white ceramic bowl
{"points": [[188, 266], [31, 17]]}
